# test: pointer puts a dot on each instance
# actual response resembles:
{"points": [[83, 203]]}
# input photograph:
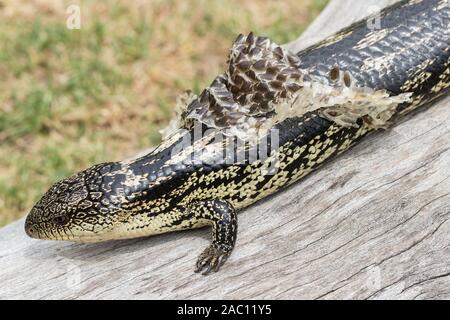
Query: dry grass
{"points": [[70, 98]]}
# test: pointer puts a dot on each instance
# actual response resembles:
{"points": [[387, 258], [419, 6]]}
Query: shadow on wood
{"points": [[374, 223]]}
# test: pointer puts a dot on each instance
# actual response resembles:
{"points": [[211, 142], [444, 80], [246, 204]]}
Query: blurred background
{"points": [[70, 98]]}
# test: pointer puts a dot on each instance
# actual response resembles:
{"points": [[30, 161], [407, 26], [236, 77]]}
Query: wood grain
{"points": [[372, 224]]}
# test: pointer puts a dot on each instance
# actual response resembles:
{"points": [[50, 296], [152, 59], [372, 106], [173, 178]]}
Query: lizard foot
{"points": [[212, 258]]}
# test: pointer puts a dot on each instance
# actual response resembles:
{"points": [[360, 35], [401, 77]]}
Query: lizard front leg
{"points": [[221, 215]]}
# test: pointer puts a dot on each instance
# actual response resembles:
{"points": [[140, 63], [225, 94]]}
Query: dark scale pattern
{"points": [[182, 185], [414, 34], [259, 74]]}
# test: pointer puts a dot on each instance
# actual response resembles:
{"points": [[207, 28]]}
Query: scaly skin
{"points": [[183, 185]]}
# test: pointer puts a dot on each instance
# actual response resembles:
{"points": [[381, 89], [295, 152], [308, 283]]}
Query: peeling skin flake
{"points": [[341, 102], [178, 120], [264, 85]]}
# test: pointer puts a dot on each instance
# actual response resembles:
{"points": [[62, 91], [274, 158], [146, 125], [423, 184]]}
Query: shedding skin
{"points": [[265, 85]]}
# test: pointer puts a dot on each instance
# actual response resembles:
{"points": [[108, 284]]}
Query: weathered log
{"points": [[373, 223]]}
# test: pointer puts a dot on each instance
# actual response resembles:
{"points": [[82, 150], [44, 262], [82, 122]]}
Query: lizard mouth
{"points": [[36, 232]]}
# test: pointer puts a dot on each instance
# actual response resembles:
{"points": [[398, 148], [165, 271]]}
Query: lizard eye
{"points": [[60, 220]]}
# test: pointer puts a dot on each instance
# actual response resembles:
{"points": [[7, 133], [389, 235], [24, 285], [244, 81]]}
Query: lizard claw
{"points": [[212, 258]]}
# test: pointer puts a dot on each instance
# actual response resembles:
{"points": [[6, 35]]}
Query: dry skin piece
{"points": [[264, 85]]}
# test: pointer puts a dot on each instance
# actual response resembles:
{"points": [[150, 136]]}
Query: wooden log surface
{"points": [[373, 223]]}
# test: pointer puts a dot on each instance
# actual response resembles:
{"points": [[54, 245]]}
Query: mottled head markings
{"points": [[77, 207]]}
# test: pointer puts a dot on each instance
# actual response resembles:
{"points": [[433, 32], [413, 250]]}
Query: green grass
{"points": [[72, 98]]}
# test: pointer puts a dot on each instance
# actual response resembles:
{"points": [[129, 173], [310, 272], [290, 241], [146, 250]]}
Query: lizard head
{"points": [[78, 208]]}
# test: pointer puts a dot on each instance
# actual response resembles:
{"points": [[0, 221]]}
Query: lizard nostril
{"points": [[29, 230]]}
